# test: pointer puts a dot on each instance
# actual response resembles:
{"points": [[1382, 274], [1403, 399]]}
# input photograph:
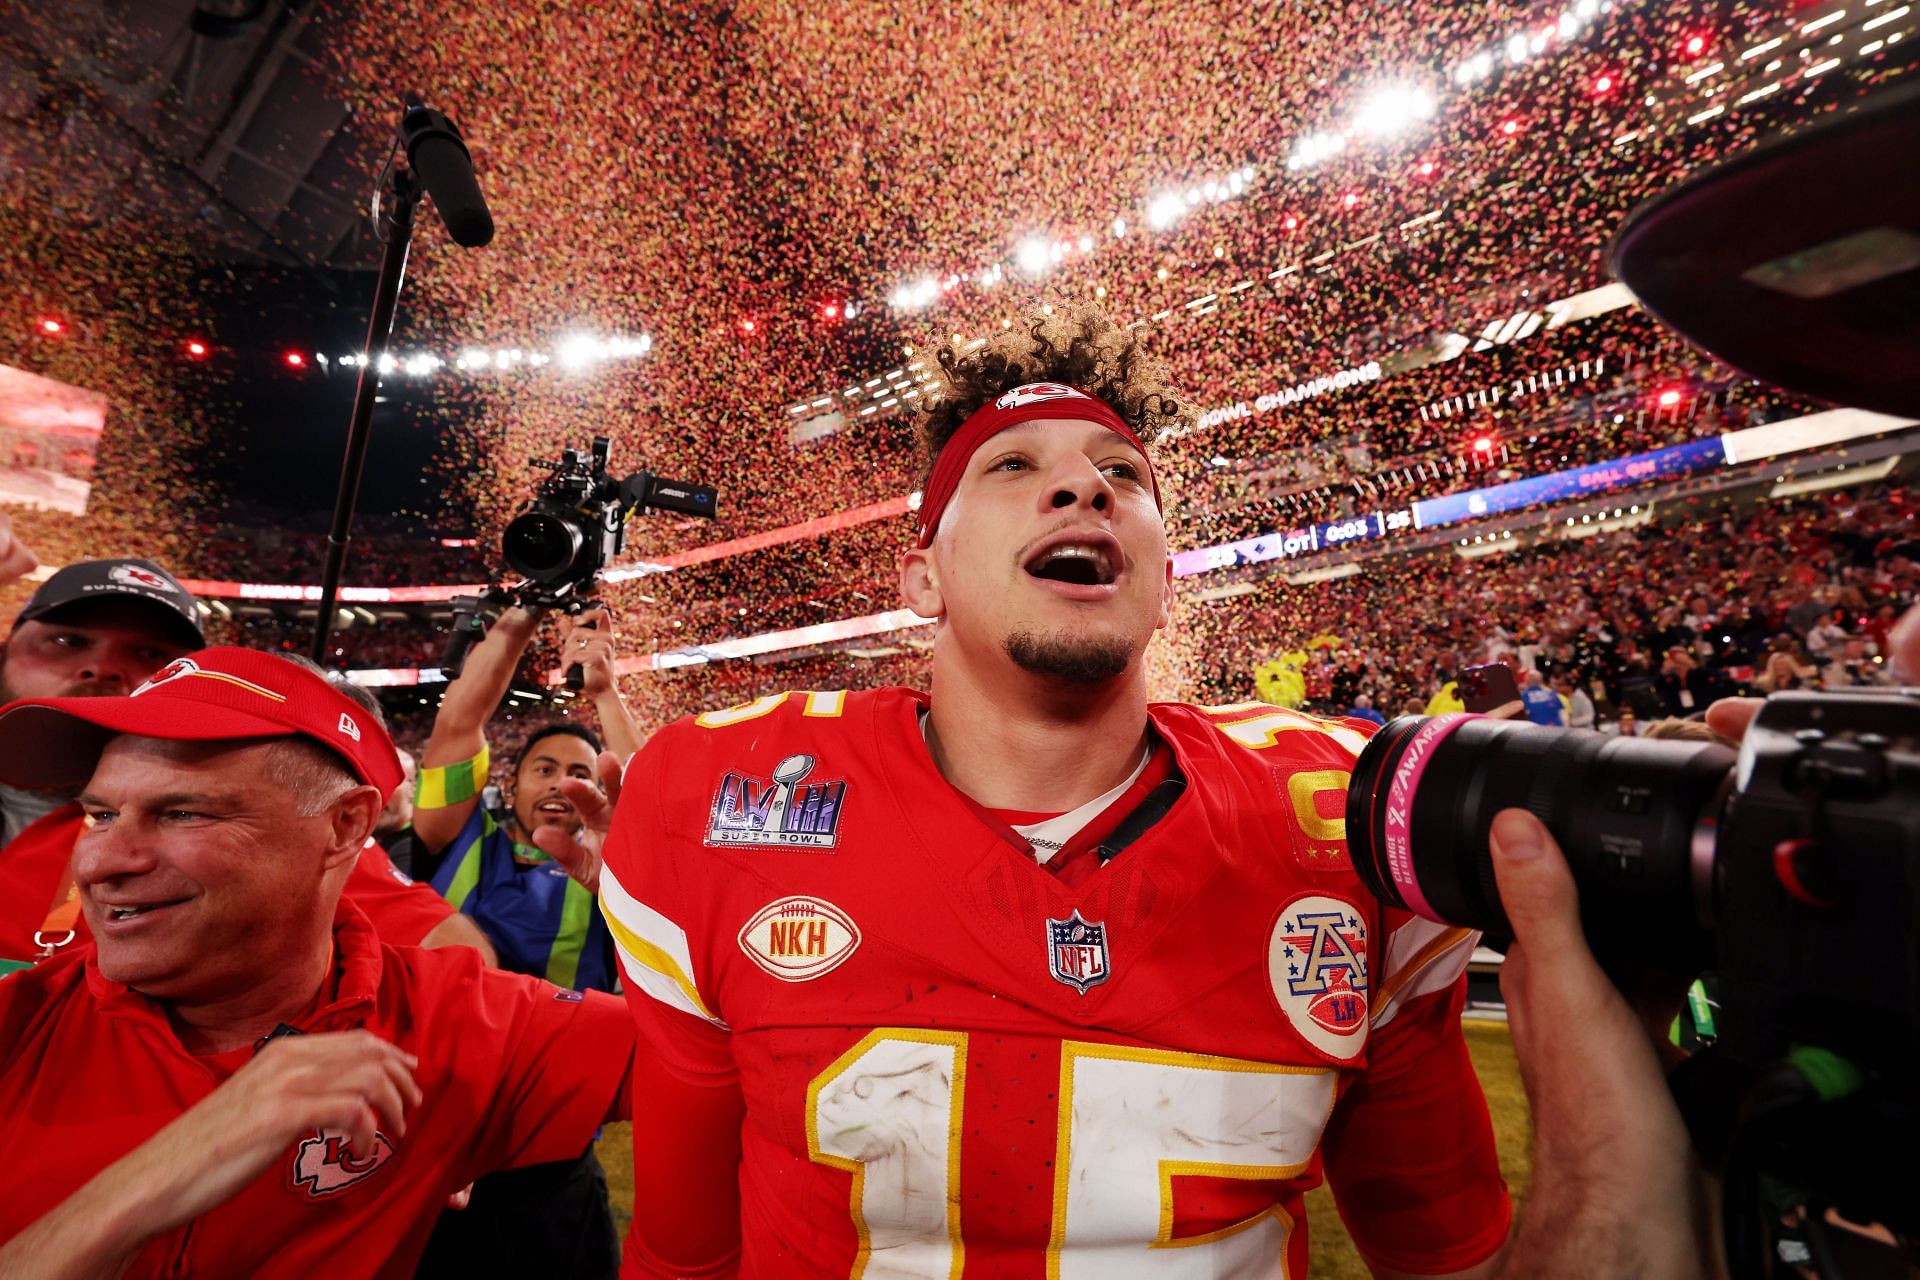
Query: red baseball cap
{"points": [[223, 692]]}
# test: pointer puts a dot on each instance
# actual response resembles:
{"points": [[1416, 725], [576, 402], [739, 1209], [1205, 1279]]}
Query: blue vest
{"points": [[536, 915]]}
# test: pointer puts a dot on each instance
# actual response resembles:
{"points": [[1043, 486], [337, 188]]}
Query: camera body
{"points": [[1816, 883], [564, 535], [575, 523]]}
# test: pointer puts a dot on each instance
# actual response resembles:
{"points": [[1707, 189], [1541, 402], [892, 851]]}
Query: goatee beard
{"points": [[1069, 658]]}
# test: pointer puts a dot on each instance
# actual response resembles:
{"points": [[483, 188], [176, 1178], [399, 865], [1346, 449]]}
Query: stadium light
{"points": [[1314, 148], [295, 360], [912, 297], [1119, 228], [51, 327], [1032, 255], [574, 352], [1392, 110], [196, 348], [1164, 211]]}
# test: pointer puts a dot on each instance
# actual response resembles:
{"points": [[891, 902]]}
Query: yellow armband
{"points": [[442, 786]]}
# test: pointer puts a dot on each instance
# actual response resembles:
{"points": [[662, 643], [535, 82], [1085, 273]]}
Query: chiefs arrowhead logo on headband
{"points": [[1010, 409], [1034, 392]]}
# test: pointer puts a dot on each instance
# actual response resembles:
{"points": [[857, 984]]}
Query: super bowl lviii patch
{"points": [[1077, 952], [783, 811], [798, 938], [1317, 968]]}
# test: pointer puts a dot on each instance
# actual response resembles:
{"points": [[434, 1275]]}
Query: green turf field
{"points": [[1333, 1254]]}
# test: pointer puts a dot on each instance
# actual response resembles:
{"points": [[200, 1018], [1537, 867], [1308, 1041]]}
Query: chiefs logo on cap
{"points": [[134, 576], [1034, 392], [178, 669]]}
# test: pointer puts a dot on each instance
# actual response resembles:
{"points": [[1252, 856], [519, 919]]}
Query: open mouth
{"points": [[1080, 564], [553, 808], [133, 911]]}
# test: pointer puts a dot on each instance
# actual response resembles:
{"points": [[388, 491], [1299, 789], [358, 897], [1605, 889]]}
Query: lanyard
{"points": [[57, 930]]}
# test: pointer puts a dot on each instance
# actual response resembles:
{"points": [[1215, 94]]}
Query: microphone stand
{"points": [[397, 199]]}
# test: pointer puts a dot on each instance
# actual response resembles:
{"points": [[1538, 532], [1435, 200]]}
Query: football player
{"points": [[1032, 976]]}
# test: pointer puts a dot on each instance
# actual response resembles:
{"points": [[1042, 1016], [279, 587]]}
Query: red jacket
{"points": [[515, 1072], [403, 911]]}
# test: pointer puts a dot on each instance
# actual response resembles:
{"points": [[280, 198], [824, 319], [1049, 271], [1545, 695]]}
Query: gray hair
{"points": [[316, 775]]}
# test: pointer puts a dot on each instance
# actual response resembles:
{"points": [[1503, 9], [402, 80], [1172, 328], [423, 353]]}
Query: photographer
{"points": [[552, 1219]]}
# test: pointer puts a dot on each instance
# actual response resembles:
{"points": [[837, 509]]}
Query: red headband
{"points": [[1011, 408]]}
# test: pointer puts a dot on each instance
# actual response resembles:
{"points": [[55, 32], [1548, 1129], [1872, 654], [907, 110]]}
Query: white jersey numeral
{"points": [[888, 1111]]}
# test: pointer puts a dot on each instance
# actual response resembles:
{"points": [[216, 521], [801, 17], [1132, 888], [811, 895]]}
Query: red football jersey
{"points": [[954, 1063]]}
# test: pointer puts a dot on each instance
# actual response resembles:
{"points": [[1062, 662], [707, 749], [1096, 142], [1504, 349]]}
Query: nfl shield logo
{"points": [[1077, 952]]}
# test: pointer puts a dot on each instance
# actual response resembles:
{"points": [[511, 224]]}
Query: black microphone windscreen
{"points": [[445, 167]]}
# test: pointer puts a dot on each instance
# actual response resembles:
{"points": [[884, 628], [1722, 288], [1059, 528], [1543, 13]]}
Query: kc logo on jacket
{"points": [[325, 1164], [1317, 968]]}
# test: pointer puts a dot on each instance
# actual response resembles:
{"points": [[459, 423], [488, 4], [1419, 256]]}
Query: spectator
{"points": [[100, 628], [1826, 633], [1685, 686], [1783, 672], [554, 1220], [1362, 709], [1578, 706], [1542, 704], [97, 628], [289, 1096], [1851, 666], [394, 831]]}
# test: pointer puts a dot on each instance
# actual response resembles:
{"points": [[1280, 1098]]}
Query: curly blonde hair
{"points": [[1073, 342]]}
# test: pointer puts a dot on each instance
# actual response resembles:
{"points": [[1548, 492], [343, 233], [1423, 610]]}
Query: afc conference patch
{"points": [[1077, 952], [1317, 970]]}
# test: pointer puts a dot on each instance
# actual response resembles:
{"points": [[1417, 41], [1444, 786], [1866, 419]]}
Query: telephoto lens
{"points": [[1635, 817]]}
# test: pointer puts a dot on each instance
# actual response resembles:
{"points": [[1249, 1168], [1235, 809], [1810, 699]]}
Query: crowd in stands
{"points": [[1655, 621]]}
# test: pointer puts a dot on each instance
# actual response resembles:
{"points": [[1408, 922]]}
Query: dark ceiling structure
{"points": [[218, 117]]}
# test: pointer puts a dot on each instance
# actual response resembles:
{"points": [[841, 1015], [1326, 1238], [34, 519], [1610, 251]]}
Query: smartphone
{"points": [[1488, 687]]}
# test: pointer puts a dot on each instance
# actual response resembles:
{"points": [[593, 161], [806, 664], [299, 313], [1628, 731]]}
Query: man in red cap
{"points": [[97, 629], [238, 1077]]}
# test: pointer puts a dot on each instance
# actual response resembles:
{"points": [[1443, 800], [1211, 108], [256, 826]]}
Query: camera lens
{"points": [[1634, 816], [541, 545]]}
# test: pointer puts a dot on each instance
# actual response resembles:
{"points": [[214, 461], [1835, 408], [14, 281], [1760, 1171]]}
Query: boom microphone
{"points": [[440, 157]]}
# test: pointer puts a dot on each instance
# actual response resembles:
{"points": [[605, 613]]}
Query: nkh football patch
{"points": [[325, 1163], [1077, 952], [778, 811], [797, 939], [1317, 969]]}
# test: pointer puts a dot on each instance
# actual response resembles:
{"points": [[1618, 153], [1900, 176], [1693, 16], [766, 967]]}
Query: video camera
{"points": [[565, 535], [576, 521], [1789, 871]]}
